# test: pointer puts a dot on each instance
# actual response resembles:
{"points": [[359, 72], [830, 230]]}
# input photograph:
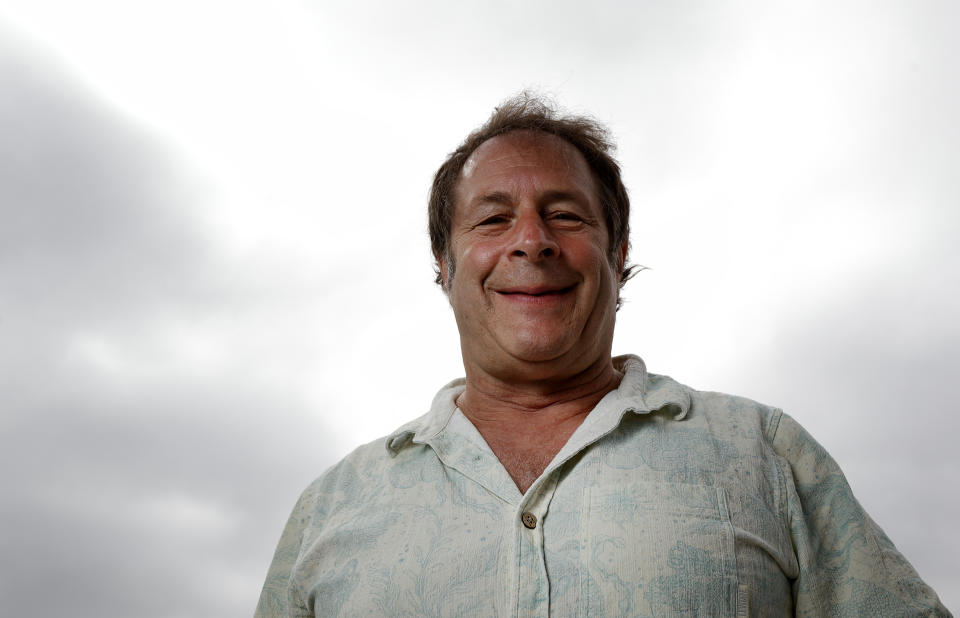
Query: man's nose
{"points": [[533, 239]]}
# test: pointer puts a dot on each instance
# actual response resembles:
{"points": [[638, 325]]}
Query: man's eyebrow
{"points": [[549, 197], [495, 197]]}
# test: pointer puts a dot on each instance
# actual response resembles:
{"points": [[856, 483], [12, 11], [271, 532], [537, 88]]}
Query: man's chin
{"points": [[540, 351]]}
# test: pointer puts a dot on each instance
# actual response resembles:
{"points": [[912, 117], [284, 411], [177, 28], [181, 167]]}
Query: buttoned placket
{"points": [[532, 584]]}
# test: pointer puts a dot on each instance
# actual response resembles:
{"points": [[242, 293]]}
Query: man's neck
{"points": [[492, 400], [526, 425]]}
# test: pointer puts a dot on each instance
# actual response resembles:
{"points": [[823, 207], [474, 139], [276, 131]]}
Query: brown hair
{"points": [[528, 112]]}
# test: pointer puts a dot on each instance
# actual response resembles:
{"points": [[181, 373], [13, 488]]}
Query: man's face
{"points": [[532, 281]]}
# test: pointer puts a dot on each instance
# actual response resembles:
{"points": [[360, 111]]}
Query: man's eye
{"points": [[565, 216], [494, 220]]}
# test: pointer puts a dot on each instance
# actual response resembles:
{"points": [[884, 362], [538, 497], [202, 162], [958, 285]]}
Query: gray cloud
{"points": [[873, 376], [134, 486]]}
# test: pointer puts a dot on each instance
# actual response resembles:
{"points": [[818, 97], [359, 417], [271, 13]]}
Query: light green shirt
{"points": [[665, 501]]}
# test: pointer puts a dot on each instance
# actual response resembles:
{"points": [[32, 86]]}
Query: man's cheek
{"points": [[480, 258]]}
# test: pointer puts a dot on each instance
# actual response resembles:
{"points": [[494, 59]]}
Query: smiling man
{"points": [[533, 285], [554, 479]]}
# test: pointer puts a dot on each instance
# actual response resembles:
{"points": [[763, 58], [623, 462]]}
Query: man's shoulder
{"points": [[368, 458], [718, 409], [361, 473]]}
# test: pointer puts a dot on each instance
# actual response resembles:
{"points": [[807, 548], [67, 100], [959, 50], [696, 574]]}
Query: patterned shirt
{"points": [[665, 501]]}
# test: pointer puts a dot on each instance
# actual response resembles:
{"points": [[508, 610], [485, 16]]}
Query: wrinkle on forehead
{"points": [[525, 143]]}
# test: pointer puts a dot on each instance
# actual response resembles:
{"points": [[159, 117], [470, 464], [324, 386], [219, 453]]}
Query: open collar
{"points": [[639, 392]]}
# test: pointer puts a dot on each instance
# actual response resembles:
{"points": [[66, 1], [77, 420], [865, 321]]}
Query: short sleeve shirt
{"points": [[665, 501]]}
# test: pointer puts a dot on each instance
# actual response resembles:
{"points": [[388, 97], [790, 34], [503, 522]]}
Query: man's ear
{"points": [[622, 256], [444, 271]]}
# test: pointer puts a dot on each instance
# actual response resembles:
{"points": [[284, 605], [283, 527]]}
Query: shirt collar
{"points": [[639, 392], [431, 423]]}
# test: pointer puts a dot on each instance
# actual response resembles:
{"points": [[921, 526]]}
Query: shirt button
{"points": [[529, 520]]}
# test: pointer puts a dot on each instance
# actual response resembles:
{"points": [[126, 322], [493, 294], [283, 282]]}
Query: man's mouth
{"points": [[535, 291]]}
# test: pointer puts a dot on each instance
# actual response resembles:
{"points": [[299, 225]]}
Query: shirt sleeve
{"points": [[280, 596], [848, 566]]}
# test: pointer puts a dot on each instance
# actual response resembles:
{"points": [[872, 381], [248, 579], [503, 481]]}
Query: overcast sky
{"points": [[215, 278]]}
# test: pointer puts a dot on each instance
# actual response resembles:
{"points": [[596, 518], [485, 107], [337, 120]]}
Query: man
{"points": [[554, 479]]}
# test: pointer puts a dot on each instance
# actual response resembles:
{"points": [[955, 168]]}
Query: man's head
{"points": [[526, 112], [539, 245]]}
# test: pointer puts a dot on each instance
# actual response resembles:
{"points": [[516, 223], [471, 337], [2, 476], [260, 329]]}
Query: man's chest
{"points": [[524, 450], [525, 461], [604, 537]]}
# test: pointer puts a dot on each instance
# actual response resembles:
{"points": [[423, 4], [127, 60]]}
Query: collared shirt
{"points": [[665, 501]]}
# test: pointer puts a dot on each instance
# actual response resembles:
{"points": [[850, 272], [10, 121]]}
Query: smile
{"points": [[535, 294]]}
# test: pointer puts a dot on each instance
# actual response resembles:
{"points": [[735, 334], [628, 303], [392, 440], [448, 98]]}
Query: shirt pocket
{"points": [[658, 549]]}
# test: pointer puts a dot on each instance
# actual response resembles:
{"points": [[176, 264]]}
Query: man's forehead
{"points": [[523, 148]]}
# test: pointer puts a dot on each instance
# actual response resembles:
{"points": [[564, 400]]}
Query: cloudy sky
{"points": [[215, 278]]}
